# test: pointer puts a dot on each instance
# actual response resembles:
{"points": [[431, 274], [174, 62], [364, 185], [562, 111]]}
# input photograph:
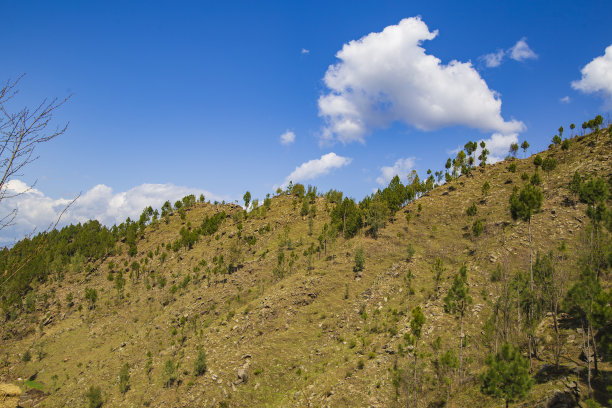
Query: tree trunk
{"points": [[594, 348], [587, 351], [558, 336], [461, 351], [415, 375]]}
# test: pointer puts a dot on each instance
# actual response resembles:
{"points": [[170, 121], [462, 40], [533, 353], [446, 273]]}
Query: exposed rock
{"points": [[242, 374], [562, 400]]}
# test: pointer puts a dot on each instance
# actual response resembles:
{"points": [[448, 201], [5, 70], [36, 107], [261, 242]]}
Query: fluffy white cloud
{"points": [[565, 99], [494, 59], [521, 51], [315, 168], [498, 146], [287, 138], [597, 76], [37, 212], [386, 77], [401, 168]]}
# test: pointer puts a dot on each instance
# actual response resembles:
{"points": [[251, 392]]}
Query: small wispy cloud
{"points": [[521, 51], [565, 99], [518, 52], [316, 168], [287, 138], [305, 51]]}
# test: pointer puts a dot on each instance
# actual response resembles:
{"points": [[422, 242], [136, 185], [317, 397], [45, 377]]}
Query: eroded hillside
{"points": [[284, 317]]}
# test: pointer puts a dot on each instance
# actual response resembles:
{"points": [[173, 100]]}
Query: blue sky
{"points": [[195, 96]]}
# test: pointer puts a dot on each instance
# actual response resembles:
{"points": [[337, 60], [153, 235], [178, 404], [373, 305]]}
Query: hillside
{"points": [[284, 324]]}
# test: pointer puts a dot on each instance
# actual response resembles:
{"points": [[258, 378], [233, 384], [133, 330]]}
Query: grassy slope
{"points": [[300, 339]]}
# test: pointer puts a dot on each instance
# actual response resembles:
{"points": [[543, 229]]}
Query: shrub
{"points": [[359, 260], [471, 210], [409, 252], [512, 167], [199, 366], [124, 378], [94, 396], [27, 356], [477, 227], [169, 373]]}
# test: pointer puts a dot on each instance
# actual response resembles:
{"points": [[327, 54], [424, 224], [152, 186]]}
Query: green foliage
{"points": [[305, 208], [247, 199], [210, 225], [169, 374], [486, 187], [27, 356], [417, 322], [437, 269], [525, 146], [565, 145], [477, 227], [458, 297], [359, 260], [94, 396], [535, 179], [556, 139], [347, 217], [512, 167], [199, 365], [91, 295], [298, 190], [537, 161], [471, 210], [549, 164], [409, 252], [124, 378], [524, 204], [514, 149], [507, 376], [50, 255], [376, 215]]}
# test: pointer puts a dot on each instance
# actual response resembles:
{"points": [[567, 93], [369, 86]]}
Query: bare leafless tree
{"points": [[21, 131]]}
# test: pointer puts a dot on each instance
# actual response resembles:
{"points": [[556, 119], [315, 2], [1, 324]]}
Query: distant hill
{"points": [[308, 299]]}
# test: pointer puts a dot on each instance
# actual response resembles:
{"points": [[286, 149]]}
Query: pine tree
{"points": [[507, 376], [456, 302]]}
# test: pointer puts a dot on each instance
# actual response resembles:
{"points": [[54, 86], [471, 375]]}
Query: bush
{"points": [[359, 260], [169, 373], [124, 378], [512, 167], [27, 356], [199, 366], [477, 227], [94, 395], [409, 252], [471, 210]]}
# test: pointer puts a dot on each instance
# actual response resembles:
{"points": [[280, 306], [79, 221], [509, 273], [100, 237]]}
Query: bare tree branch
{"points": [[20, 133]]}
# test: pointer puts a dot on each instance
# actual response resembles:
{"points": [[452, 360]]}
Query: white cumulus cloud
{"points": [[315, 168], [498, 146], [287, 138], [401, 168], [597, 76], [387, 77], [521, 51], [37, 211]]}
